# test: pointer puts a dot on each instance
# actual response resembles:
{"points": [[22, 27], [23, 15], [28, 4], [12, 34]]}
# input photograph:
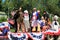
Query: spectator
{"points": [[26, 20], [38, 15], [45, 27], [55, 23], [46, 16], [14, 18], [34, 20], [20, 23], [34, 10], [41, 22]]}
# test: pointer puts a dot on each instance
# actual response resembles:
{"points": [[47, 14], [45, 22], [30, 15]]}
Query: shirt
{"points": [[26, 17]]}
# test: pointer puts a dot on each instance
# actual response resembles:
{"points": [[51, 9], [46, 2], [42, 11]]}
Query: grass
{"points": [[12, 30], [3, 19]]}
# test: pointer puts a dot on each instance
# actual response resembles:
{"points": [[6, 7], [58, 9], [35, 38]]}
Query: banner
{"points": [[36, 36], [52, 32], [18, 36], [25, 36], [33, 35]]}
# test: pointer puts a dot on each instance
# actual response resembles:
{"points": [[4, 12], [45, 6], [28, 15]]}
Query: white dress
{"points": [[55, 26]]}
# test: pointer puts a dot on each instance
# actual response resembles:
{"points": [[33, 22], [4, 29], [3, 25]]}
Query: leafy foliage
{"points": [[3, 19], [52, 6]]}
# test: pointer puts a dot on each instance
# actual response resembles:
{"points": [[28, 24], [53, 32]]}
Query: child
{"points": [[41, 23]]}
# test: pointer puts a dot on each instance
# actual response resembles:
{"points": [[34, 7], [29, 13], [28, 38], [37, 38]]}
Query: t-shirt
{"points": [[46, 16], [38, 16], [34, 17]]}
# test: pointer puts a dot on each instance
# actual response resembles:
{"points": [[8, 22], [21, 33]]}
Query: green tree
{"points": [[52, 7]]}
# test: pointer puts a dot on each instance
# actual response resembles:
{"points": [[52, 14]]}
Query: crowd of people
{"points": [[23, 22]]}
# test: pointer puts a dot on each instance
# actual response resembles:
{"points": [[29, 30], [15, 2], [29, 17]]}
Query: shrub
{"points": [[2, 19]]}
